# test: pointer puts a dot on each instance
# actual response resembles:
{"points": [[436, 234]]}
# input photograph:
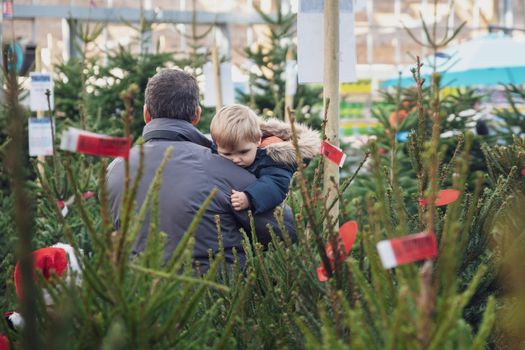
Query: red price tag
{"points": [[347, 235], [444, 197], [87, 195], [104, 146], [321, 274], [333, 153], [407, 249]]}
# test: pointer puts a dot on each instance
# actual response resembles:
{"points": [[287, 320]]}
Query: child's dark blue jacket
{"points": [[275, 164], [273, 182]]}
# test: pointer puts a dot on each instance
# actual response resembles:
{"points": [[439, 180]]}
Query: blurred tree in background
{"points": [[266, 73]]}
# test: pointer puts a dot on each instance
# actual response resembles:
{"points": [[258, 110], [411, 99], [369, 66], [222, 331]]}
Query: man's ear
{"points": [[147, 116], [198, 112]]}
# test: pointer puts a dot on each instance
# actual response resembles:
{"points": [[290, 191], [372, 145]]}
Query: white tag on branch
{"points": [[40, 137]]}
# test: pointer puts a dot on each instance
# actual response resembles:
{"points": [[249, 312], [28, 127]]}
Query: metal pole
{"points": [[33, 30], [249, 29], [182, 28], [397, 15], [370, 34], [508, 14], [222, 38], [424, 10], [475, 18], [147, 34], [69, 38], [450, 18], [105, 36], [331, 91]]}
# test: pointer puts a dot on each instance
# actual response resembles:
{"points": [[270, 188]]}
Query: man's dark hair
{"points": [[172, 94]]}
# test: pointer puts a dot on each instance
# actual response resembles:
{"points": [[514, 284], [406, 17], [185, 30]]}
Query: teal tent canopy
{"points": [[486, 61]]}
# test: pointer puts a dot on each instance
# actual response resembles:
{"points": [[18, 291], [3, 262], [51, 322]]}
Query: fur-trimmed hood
{"points": [[309, 140]]}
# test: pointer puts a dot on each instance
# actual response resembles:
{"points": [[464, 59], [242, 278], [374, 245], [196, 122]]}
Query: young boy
{"points": [[265, 149]]}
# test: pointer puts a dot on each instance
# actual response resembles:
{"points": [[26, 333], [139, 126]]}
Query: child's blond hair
{"points": [[233, 125]]}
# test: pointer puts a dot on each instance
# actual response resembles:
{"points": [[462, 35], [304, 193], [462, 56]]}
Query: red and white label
{"points": [[63, 205], [333, 153], [81, 141], [407, 249]]}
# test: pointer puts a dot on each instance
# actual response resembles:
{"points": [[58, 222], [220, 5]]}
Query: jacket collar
{"points": [[184, 129]]}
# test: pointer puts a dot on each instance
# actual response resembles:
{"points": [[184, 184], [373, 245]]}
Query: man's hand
{"points": [[239, 200]]}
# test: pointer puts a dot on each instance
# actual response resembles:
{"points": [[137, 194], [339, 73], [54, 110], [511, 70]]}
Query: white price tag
{"points": [[40, 137], [40, 83]]}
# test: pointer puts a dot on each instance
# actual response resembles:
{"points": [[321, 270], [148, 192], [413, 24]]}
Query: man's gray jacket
{"points": [[190, 174]]}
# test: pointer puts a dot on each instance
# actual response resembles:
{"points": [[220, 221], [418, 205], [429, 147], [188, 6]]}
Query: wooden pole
{"points": [[38, 68], [331, 91], [217, 77], [39, 114]]}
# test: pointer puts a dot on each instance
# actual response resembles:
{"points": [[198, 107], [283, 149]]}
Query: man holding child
{"points": [[171, 110]]}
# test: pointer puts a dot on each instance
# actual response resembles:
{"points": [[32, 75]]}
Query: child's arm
{"points": [[239, 200], [269, 190]]}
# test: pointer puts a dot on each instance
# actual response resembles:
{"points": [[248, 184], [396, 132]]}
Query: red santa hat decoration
{"points": [[14, 320], [58, 260]]}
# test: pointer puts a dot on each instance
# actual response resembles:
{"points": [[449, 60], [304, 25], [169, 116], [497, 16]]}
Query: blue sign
{"points": [[402, 136]]}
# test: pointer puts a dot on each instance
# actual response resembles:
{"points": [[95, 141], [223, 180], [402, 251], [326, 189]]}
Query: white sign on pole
{"points": [[291, 77], [226, 85], [40, 137], [310, 41], [40, 82]]}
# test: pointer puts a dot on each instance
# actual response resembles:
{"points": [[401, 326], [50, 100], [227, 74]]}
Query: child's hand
{"points": [[240, 200]]}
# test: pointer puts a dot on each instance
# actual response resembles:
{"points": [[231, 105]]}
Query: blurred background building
{"points": [[382, 41]]}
